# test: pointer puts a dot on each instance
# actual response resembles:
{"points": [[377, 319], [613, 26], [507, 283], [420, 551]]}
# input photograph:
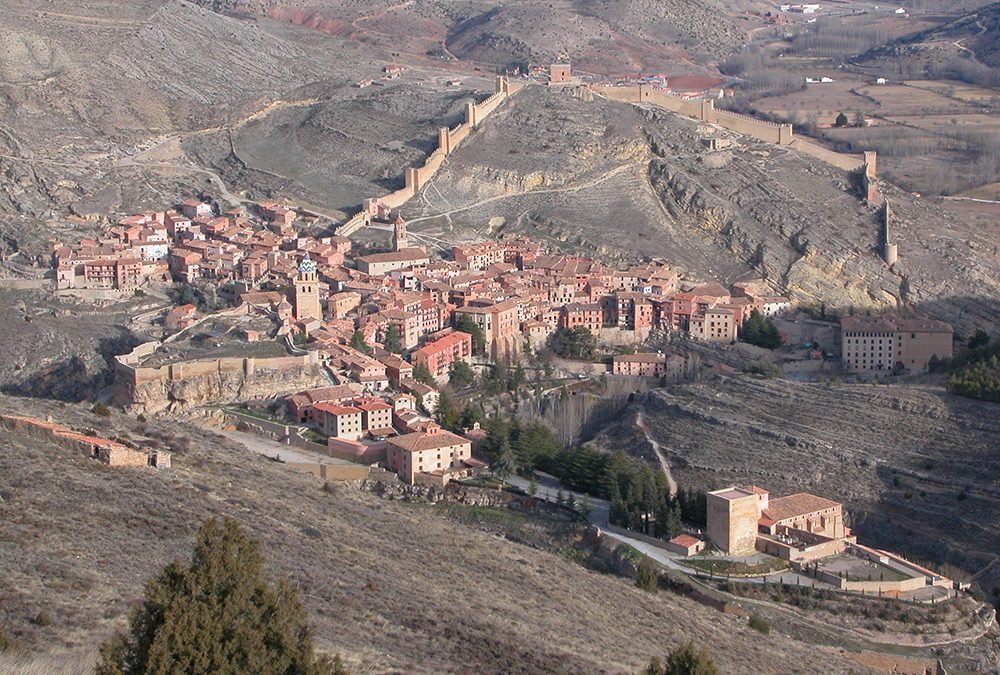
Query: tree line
{"points": [[974, 372], [640, 498]]}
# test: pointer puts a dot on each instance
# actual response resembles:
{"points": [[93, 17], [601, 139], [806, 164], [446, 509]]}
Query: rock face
{"points": [[218, 387], [614, 180]]}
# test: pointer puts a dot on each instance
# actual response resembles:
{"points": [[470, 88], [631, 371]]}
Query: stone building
{"points": [[560, 73], [871, 344], [399, 239], [732, 520], [438, 355], [305, 293], [339, 421], [438, 454]]}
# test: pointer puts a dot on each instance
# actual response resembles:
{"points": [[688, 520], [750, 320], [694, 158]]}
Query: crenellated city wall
{"points": [[414, 178], [704, 110]]}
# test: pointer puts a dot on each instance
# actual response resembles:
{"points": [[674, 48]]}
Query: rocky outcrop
{"points": [[217, 387]]}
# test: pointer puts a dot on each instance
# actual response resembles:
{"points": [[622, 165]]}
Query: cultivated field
{"points": [[956, 89], [820, 103], [893, 99]]}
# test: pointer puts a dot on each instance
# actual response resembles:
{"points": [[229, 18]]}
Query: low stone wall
{"points": [[653, 541], [104, 450], [336, 472]]}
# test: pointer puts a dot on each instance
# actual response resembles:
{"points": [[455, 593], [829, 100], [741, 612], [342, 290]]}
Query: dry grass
{"points": [[388, 585], [955, 89]]}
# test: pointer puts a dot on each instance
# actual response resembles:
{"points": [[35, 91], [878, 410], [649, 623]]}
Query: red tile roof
{"points": [[794, 506], [419, 441], [685, 540]]}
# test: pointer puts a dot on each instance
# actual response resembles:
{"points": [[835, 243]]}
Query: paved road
{"points": [[270, 448], [548, 489]]}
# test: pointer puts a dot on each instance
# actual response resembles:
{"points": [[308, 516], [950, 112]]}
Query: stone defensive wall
{"points": [[108, 452], [837, 159], [704, 110], [201, 381], [415, 178]]}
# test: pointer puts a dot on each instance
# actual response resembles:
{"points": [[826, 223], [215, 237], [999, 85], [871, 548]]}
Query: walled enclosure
{"points": [[704, 110], [448, 141], [93, 447], [153, 388]]}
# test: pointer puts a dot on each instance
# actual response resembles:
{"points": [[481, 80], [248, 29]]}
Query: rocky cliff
{"points": [[914, 466], [218, 387]]}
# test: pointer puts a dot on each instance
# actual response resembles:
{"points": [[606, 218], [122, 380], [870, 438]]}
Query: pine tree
{"points": [[505, 464], [421, 373], [216, 615], [358, 342]]}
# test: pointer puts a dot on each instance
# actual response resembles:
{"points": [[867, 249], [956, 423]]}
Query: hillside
{"points": [[612, 179], [945, 51], [602, 36], [914, 466], [389, 585]]}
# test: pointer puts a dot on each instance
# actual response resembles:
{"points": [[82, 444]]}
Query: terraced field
{"points": [[916, 468]]}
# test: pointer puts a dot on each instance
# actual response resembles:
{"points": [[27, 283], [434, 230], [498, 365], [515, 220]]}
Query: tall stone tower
{"points": [[890, 251], [399, 240], [305, 297]]}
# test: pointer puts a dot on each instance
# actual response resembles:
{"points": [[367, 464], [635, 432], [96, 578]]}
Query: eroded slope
{"points": [[389, 585]]}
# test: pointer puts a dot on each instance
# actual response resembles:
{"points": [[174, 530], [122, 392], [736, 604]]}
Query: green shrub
{"points": [[760, 624], [646, 577], [685, 660], [101, 410], [41, 619]]}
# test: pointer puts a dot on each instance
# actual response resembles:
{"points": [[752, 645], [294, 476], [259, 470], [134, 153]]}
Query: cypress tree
{"points": [[216, 615]]}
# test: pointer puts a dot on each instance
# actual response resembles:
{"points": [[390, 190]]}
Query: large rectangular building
{"points": [[428, 452], [379, 264], [438, 356], [873, 344]]}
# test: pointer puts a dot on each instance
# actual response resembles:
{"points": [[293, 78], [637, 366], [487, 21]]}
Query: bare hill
{"points": [[965, 48], [917, 468], [602, 36], [615, 179], [389, 585]]}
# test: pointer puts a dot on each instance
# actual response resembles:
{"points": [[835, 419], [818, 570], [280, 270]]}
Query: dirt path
{"points": [[664, 464], [233, 199], [576, 188]]}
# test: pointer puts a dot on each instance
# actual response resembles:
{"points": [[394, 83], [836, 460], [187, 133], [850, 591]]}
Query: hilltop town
{"points": [[520, 338]]}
